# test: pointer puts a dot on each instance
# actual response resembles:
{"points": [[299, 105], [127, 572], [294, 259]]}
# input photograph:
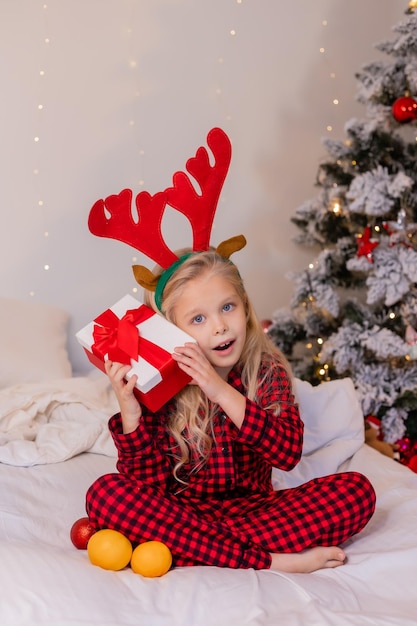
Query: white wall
{"points": [[129, 91]]}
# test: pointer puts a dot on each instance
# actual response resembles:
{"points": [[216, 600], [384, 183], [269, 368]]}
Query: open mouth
{"points": [[224, 346]]}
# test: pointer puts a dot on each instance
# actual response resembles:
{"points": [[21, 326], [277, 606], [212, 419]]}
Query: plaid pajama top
{"points": [[241, 459]]}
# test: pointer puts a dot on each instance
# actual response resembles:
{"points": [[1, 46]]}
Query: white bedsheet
{"points": [[45, 581], [53, 421]]}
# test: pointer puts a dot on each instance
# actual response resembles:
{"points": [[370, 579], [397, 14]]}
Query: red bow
{"points": [[119, 338]]}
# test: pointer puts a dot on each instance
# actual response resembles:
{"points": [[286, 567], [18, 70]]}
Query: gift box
{"points": [[131, 332]]}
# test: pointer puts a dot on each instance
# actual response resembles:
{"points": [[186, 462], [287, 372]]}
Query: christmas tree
{"points": [[353, 312]]}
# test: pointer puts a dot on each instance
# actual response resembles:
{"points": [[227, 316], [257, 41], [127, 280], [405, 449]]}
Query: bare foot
{"points": [[308, 560]]}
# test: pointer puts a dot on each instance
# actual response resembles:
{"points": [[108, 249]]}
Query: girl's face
{"points": [[211, 311]]}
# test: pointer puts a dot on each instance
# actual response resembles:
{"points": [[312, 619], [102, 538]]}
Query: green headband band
{"points": [[165, 276]]}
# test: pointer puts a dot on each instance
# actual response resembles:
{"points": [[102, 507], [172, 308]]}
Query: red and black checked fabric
{"points": [[228, 515]]}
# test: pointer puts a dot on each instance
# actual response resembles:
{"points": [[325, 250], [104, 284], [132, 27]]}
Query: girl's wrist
{"points": [[130, 424]]}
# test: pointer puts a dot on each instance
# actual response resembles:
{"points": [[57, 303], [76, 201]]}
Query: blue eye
{"points": [[198, 319], [228, 307]]}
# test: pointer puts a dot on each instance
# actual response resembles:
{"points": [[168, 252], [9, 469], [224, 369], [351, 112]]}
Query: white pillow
{"points": [[333, 430], [33, 339]]}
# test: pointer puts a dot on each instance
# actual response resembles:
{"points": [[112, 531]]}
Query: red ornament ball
{"points": [[412, 464], [80, 533], [405, 109], [266, 325]]}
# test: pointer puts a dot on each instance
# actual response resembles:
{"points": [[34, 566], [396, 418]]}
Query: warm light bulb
{"points": [[320, 341], [336, 206], [335, 101]]}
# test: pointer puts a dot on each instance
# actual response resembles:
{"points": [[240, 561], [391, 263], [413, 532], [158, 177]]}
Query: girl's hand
{"points": [[130, 409], [193, 362]]}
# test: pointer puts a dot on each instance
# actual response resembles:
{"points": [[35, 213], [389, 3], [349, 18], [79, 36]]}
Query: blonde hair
{"points": [[191, 422]]}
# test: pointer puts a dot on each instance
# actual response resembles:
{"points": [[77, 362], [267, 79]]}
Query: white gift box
{"points": [[148, 350]]}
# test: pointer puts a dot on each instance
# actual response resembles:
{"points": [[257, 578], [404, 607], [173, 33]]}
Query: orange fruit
{"points": [[109, 549], [151, 559]]}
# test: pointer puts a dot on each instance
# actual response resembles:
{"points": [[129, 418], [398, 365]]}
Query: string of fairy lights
{"points": [[335, 201], [134, 66], [41, 108]]}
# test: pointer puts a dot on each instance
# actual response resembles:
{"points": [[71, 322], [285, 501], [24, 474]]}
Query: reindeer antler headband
{"points": [[145, 235]]}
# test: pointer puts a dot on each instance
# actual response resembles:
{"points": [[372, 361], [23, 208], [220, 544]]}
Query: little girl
{"points": [[196, 475]]}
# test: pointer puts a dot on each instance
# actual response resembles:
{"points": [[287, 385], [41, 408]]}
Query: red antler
{"points": [[182, 196], [145, 235], [113, 217]]}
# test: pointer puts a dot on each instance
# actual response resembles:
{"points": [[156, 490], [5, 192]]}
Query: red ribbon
{"points": [[120, 338]]}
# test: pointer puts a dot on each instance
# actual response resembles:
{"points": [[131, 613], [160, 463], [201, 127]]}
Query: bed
{"points": [[54, 443]]}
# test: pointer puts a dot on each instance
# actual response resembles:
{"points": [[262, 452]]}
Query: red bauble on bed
{"points": [[80, 533]]}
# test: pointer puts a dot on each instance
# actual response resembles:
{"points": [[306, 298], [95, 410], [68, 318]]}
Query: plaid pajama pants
{"points": [[237, 532]]}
